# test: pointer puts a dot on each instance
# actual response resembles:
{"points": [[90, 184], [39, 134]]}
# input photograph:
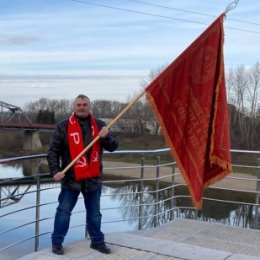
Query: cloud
{"points": [[66, 61], [96, 86], [18, 39]]}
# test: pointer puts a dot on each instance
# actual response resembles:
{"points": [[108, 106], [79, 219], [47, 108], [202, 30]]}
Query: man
{"points": [[68, 140]]}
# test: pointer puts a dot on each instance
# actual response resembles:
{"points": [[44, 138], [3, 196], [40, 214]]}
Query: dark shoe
{"points": [[102, 248], [57, 249]]}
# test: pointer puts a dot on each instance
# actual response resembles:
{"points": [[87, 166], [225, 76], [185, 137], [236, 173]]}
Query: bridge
{"points": [[9, 112], [13, 117], [27, 126], [179, 239]]}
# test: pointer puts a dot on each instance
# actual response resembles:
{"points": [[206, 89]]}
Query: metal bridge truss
{"points": [[12, 194], [11, 112]]}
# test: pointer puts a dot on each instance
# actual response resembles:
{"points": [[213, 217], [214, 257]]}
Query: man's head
{"points": [[81, 106]]}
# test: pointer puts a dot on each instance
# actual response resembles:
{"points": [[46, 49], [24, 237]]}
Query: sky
{"points": [[58, 49]]}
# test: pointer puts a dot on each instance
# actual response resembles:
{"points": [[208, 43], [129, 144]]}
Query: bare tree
{"points": [[105, 108], [141, 114], [243, 92], [253, 95], [61, 108]]}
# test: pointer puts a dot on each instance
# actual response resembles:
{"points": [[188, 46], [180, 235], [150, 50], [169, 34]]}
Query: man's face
{"points": [[81, 107]]}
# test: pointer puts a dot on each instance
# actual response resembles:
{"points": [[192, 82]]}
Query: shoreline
{"points": [[131, 170]]}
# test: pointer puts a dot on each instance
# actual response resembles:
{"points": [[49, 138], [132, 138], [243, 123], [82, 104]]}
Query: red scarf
{"points": [[82, 168]]}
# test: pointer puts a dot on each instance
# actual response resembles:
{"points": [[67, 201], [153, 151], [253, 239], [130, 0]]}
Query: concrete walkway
{"points": [[178, 239]]}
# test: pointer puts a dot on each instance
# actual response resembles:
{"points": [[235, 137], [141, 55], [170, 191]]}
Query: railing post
{"points": [[2, 114], [141, 190], [257, 201], [156, 218], [37, 213], [172, 192]]}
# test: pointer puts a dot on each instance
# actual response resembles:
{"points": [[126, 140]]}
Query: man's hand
{"points": [[103, 132], [58, 176]]}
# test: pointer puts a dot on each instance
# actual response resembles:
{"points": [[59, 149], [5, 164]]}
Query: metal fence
{"points": [[148, 188]]}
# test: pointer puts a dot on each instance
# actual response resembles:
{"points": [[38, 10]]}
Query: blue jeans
{"points": [[67, 201]]}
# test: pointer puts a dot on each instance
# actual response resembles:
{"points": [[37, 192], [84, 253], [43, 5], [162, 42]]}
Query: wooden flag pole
{"points": [[98, 137]]}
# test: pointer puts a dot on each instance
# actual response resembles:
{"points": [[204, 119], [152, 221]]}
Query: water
{"points": [[49, 197], [117, 217], [110, 211], [11, 171]]}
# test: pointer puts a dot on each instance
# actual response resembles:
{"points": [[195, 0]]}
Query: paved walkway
{"points": [[180, 239]]}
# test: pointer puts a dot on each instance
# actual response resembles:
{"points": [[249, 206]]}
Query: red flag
{"points": [[189, 101]]}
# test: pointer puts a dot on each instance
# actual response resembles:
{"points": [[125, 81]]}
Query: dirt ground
{"points": [[237, 181]]}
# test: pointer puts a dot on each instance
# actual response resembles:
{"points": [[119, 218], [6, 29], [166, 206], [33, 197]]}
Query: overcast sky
{"points": [[61, 48]]}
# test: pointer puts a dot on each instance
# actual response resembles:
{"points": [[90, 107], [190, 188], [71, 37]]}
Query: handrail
{"points": [[153, 199], [21, 158], [37, 156]]}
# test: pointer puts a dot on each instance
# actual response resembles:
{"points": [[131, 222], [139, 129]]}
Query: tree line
{"points": [[138, 119], [243, 91]]}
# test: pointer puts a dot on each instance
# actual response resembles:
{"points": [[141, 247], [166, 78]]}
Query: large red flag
{"points": [[189, 100]]}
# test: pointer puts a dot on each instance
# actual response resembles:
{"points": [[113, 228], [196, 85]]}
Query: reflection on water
{"points": [[24, 168], [147, 205], [11, 170]]}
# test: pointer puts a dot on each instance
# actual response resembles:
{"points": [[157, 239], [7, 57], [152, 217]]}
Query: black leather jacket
{"points": [[58, 155]]}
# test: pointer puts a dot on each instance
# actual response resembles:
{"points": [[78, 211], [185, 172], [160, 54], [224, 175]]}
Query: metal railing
{"points": [[149, 191]]}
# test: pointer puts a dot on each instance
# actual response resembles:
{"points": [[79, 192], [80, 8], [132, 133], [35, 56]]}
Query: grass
{"points": [[250, 171]]}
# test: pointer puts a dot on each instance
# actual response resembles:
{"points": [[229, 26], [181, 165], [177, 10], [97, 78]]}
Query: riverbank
{"points": [[121, 170]]}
